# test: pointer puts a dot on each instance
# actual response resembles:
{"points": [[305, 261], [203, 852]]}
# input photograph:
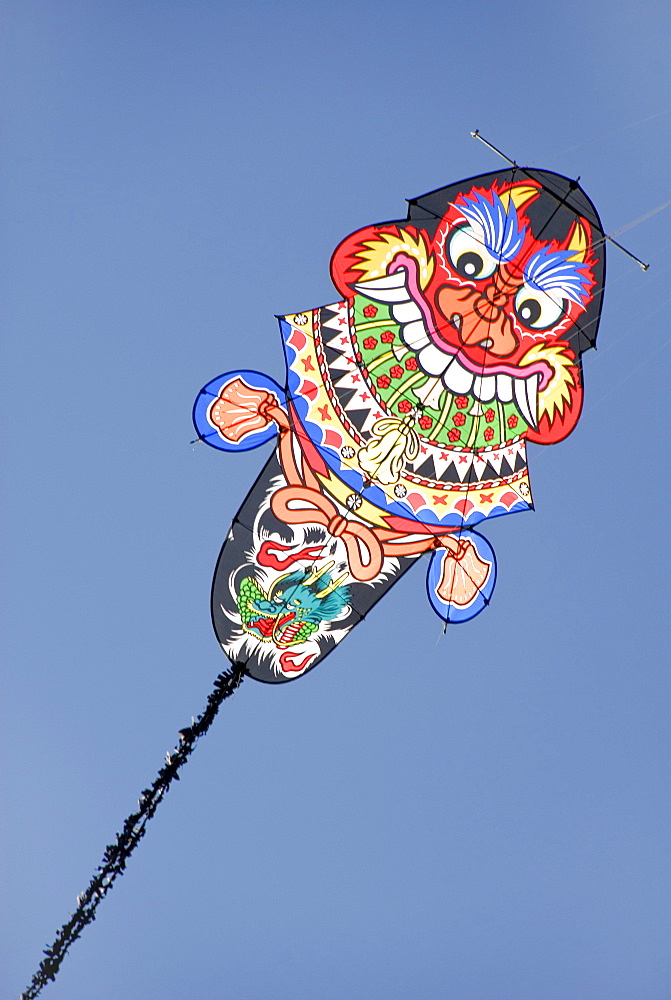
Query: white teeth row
{"points": [[461, 382], [392, 289]]}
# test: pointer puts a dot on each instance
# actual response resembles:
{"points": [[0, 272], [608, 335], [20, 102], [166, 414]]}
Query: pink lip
{"points": [[541, 368], [403, 260], [537, 368]]}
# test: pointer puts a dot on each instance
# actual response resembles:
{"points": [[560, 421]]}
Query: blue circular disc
{"points": [[246, 435], [460, 588]]}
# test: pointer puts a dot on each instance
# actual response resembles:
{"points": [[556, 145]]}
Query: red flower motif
{"points": [[387, 337], [512, 421], [411, 364], [383, 382], [396, 371], [459, 419], [453, 434], [370, 311], [425, 423], [404, 406], [461, 402], [489, 415], [369, 343], [489, 433]]}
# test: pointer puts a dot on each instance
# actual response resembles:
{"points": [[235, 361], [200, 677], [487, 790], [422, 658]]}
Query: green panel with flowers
{"points": [[393, 373]]}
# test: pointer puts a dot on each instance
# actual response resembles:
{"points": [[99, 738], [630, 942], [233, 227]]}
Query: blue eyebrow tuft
{"points": [[553, 270], [502, 235]]}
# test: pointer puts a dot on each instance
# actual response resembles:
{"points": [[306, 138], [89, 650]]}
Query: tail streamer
{"points": [[117, 853]]}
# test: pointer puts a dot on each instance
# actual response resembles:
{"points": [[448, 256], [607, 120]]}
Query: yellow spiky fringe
{"points": [[554, 397], [381, 251]]}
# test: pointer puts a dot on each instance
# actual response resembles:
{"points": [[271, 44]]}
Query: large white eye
{"points": [[469, 256], [538, 310]]}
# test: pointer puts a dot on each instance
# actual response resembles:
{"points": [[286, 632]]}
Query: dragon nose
{"points": [[494, 295], [495, 335]]}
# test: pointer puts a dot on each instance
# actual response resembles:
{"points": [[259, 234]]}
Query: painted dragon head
{"points": [[295, 605]]}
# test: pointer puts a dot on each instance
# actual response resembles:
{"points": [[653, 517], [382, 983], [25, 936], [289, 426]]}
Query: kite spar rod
{"points": [[116, 854], [476, 135]]}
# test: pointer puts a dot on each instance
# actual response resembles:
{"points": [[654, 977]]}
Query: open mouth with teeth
{"points": [[282, 629], [286, 630], [472, 369]]}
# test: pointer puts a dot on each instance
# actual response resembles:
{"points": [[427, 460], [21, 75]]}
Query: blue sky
{"points": [[480, 816]]}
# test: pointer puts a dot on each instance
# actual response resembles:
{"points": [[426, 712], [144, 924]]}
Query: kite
{"points": [[456, 338]]}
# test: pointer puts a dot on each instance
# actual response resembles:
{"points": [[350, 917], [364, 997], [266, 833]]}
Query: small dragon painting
{"points": [[295, 606]]}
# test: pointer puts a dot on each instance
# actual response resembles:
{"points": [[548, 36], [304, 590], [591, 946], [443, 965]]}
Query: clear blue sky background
{"points": [[477, 816]]}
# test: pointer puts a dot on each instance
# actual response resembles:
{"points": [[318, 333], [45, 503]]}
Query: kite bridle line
{"points": [[117, 853], [553, 194]]}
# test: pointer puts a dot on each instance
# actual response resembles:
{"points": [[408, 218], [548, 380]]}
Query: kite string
{"points": [[542, 454], [641, 218], [116, 854], [606, 135]]}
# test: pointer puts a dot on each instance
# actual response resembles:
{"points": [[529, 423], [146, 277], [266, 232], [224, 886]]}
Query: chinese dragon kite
{"points": [[456, 337]]}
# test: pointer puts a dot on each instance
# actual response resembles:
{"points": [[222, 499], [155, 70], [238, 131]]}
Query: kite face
{"points": [[406, 412]]}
